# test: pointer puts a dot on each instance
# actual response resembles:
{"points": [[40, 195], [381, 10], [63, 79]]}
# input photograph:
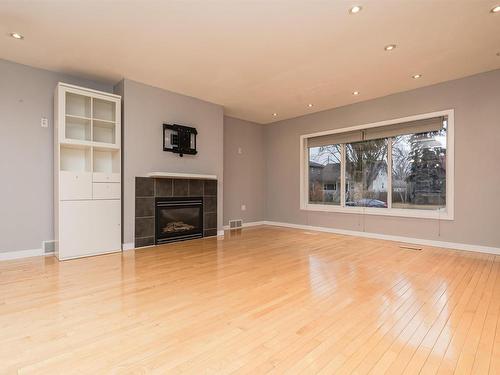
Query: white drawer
{"points": [[102, 190], [105, 177], [75, 185]]}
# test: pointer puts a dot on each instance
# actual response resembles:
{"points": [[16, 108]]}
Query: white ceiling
{"points": [[257, 57]]}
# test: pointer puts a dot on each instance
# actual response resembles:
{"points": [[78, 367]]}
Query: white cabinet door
{"points": [[75, 185], [89, 228]]}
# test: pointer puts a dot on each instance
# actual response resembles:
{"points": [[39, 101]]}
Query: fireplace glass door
{"points": [[178, 218]]}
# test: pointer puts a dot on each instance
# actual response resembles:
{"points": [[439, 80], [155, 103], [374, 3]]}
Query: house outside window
{"points": [[399, 167], [324, 174], [332, 187]]}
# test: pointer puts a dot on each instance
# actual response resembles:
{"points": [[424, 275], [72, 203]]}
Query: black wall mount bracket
{"points": [[179, 139]]}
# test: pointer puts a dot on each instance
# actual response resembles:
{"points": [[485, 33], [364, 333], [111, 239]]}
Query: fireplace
{"points": [[150, 190], [178, 219]]}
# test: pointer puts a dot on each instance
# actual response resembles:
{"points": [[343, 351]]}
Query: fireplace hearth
{"points": [[178, 219]]}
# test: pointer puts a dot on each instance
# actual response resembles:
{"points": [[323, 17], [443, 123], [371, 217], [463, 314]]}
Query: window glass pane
{"points": [[324, 174], [366, 173], [419, 170]]}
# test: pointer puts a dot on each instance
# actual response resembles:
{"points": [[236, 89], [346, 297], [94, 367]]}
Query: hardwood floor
{"points": [[264, 300]]}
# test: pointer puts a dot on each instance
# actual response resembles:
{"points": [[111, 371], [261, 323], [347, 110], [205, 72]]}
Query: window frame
{"points": [[446, 213]]}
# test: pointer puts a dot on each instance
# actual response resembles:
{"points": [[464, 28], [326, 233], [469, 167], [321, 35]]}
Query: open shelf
{"points": [[77, 128], [75, 158], [78, 105], [103, 110], [106, 161], [104, 131]]}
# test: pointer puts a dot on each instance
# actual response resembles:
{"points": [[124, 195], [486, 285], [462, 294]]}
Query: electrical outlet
{"points": [[44, 122], [243, 207]]}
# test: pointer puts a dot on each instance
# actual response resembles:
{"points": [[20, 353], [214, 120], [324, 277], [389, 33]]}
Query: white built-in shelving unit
{"points": [[87, 172]]}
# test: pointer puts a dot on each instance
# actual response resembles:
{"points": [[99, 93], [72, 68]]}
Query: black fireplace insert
{"points": [[178, 219]]}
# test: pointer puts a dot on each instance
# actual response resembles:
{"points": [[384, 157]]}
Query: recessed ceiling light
{"points": [[355, 93], [310, 105], [16, 36], [390, 47], [355, 9], [275, 114], [416, 76], [495, 9]]}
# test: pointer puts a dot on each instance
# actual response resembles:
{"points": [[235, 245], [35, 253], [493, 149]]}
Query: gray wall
{"points": [[476, 101], [265, 176], [26, 153], [145, 109], [244, 173]]}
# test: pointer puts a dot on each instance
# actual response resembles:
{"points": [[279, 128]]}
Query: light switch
{"points": [[240, 151], [44, 122], [243, 207]]}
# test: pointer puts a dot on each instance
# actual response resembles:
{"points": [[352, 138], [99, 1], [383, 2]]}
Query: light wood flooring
{"points": [[264, 300]]}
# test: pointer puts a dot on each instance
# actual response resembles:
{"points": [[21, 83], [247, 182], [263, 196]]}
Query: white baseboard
{"points": [[444, 244], [250, 224], [417, 241], [22, 254], [128, 246]]}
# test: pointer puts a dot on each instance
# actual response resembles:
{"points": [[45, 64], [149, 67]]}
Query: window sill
{"points": [[412, 213]]}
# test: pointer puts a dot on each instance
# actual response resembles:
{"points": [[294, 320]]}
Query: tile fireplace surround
{"points": [[149, 188]]}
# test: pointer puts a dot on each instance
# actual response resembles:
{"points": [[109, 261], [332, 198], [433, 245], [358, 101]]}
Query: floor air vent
{"points": [[235, 224], [409, 247], [48, 247]]}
